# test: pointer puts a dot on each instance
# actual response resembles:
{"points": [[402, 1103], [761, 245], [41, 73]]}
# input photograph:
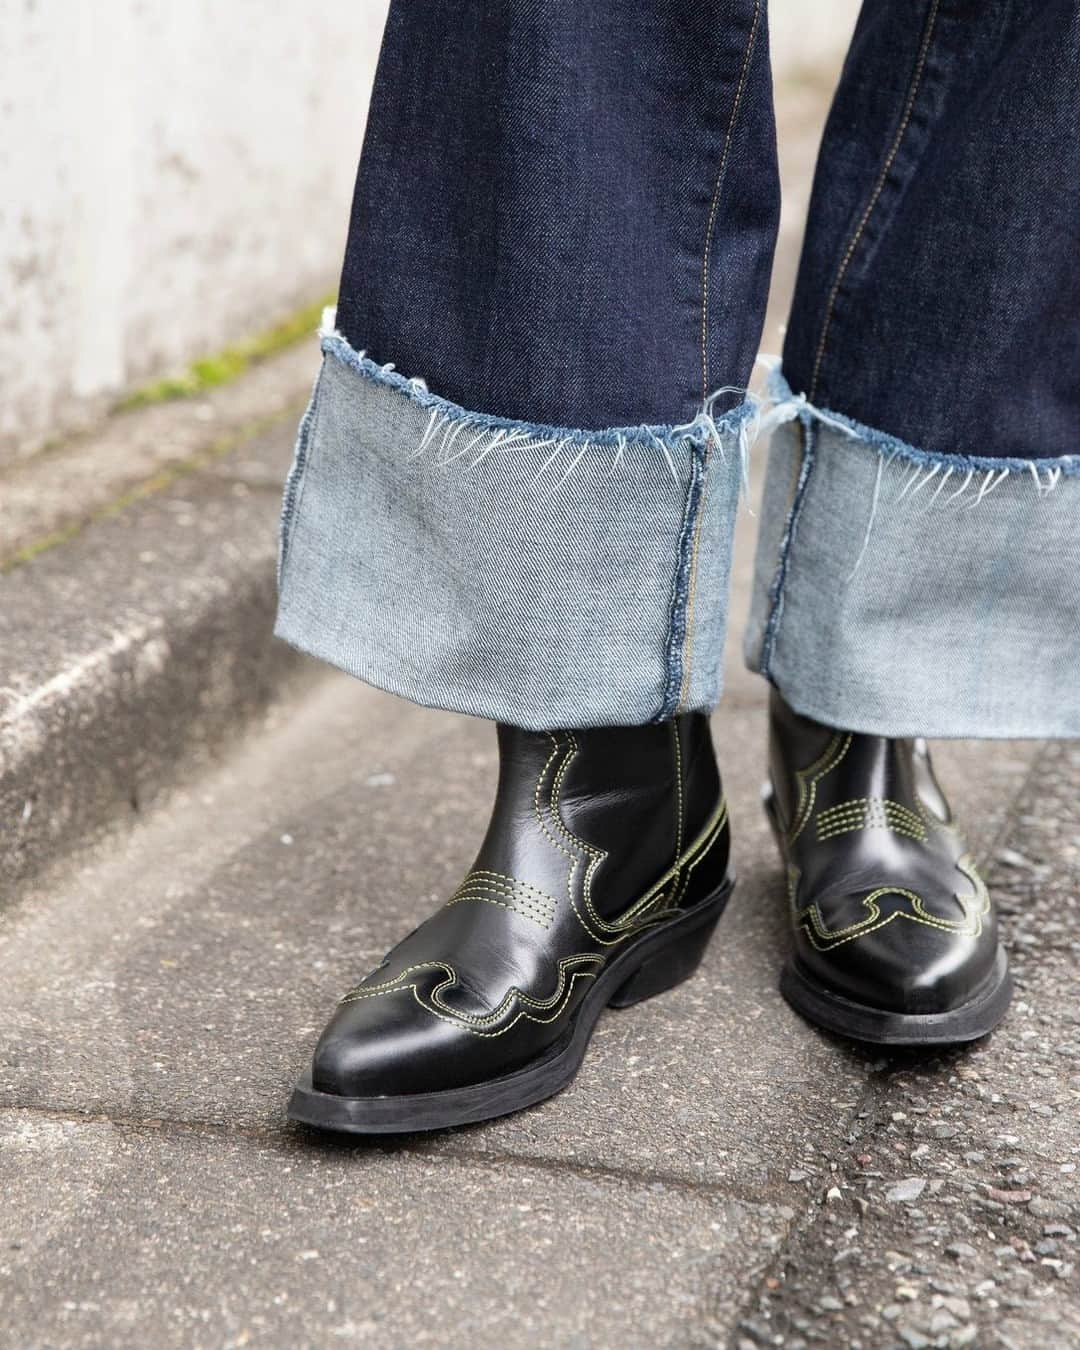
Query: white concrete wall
{"points": [[806, 35], [175, 173]]}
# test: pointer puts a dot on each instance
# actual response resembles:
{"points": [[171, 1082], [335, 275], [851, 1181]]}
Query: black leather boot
{"points": [[895, 934], [602, 875]]}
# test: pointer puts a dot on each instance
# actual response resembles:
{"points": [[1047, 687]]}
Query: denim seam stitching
{"points": [[294, 483], [714, 205], [677, 625], [776, 591], [879, 187], [691, 599]]}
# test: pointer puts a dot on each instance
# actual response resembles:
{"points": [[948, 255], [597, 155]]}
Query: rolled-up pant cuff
{"points": [[543, 576], [903, 593]]}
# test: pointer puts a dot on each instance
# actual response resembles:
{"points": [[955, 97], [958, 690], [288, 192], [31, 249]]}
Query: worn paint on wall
{"points": [[172, 176]]}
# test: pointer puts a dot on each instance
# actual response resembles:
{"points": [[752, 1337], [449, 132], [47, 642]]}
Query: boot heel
{"points": [[665, 969]]}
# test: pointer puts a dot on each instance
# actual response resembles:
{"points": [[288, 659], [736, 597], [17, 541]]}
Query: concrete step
{"points": [[136, 606]]}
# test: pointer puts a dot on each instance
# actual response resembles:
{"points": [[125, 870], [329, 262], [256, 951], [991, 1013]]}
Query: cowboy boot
{"points": [[603, 872], [895, 935]]}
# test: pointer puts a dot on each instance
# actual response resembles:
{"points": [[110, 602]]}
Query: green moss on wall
{"points": [[220, 367]]}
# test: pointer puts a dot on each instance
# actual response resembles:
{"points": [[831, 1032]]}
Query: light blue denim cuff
{"points": [[904, 593], [543, 576]]}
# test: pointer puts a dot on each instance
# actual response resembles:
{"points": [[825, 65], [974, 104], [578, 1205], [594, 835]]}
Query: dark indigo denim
{"points": [[529, 226], [939, 289], [561, 238], [541, 182]]}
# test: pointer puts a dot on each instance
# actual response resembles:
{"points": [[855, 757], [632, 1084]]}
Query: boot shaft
{"points": [[636, 795]]}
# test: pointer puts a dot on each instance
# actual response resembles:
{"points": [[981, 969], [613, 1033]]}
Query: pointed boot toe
{"points": [[380, 1048], [894, 934], [602, 875]]}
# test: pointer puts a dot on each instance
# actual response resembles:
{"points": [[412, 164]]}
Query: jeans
{"points": [[562, 233]]}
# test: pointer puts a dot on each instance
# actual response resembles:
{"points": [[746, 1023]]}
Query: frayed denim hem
{"points": [[978, 473], [539, 575], [899, 592], [448, 419]]}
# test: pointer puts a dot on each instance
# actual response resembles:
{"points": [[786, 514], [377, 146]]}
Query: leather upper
{"points": [[887, 906], [595, 835]]}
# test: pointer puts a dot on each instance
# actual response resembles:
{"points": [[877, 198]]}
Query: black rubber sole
{"points": [[659, 960], [877, 1026], [968, 1021]]}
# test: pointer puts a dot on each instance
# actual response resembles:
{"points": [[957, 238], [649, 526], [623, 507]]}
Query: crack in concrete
{"points": [[165, 477], [290, 1140]]}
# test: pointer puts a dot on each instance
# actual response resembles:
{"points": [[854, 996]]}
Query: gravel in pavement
{"points": [[957, 1215]]}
